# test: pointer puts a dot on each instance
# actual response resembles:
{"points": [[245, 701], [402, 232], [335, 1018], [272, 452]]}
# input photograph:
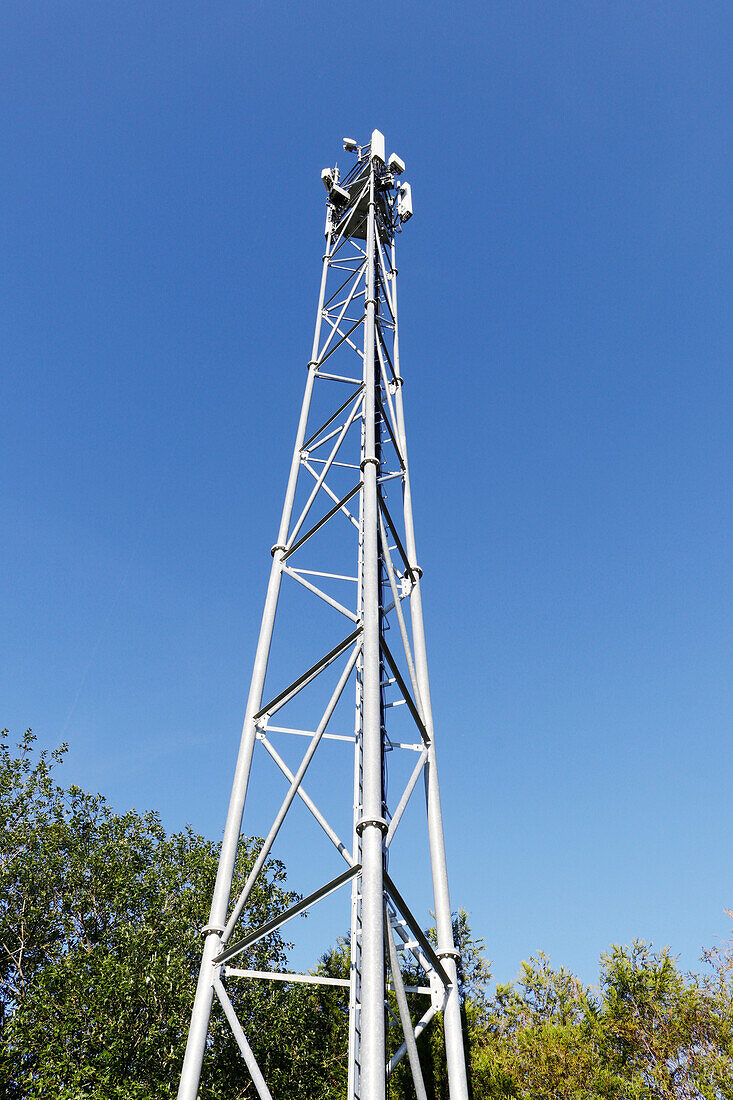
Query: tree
{"points": [[662, 1030], [99, 954], [650, 1032], [99, 950], [538, 1039]]}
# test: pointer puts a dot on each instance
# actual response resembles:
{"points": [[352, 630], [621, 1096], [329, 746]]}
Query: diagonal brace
{"points": [[319, 592], [405, 1019], [330, 833], [281, 699], [400, 617], [406, 795], [416, 930], [330, 492], [255, 1072], [405, 692], [277, 922], [329, 514], [288, 800]]}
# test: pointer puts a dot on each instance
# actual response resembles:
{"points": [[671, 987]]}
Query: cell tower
{"points": [[347, 541]]}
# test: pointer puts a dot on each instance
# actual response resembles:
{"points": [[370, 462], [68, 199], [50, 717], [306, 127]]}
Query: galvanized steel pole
{"points": [[372, 826]]}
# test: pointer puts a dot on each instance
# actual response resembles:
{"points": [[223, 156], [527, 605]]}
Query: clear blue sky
{"points": [[565, 298]]}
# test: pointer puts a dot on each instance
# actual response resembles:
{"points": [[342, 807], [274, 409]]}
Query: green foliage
{"points": [[99, 951], [99, 954], [661, 1027], [650, 1033]]}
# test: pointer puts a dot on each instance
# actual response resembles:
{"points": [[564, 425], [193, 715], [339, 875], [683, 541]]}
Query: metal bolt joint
{"points": [[278, 546], [365, 822], [209, 928], [449, 953], [415, 572], [365, 462]]}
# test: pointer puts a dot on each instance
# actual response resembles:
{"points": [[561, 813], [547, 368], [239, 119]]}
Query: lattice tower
{"points": [[346, 541]]}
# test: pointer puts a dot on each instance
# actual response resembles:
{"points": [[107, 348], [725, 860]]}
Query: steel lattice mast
{"points": [[350, 456]]}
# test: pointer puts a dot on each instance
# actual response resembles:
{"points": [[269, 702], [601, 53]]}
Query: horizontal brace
{"points": [[272, 976], [325, 736], [339, 378], [307, 676], [318, 573], [344, 264], [316, 527], [309, 979], [341, 465], [277, 922]]}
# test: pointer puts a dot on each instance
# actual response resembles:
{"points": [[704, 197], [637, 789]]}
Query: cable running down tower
{"points": [[346, 542]]}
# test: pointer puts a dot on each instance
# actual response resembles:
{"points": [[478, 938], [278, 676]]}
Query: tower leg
{"points": [[196, 1042], [455, 1054]]}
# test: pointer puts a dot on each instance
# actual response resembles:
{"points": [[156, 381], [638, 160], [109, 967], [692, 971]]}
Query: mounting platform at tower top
{"points": [[349, 197]]}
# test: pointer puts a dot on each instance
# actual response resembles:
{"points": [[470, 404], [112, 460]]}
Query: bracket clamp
{"points": [[449, 953], [278, 546], [365, 462], [209, 928], [364, 822]]}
